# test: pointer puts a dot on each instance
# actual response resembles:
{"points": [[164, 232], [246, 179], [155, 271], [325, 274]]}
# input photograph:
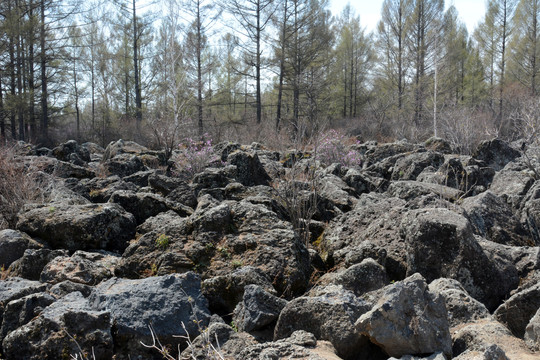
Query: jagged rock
{"points": [[30, 265], [16, 288], [408, 190], [383, 151], [410, 166], [82, 267], [512, 186], [64, 169], [493, 219], [362, 278], [519, 309], [257, 309], [362, 182], [123, 165], [496, 153], [80, 227], [460, 305], [21, 311], [212, 178], [51, 335], [165, 302], [249, 170], [329, 315], [13, 243], [66, 287], [440, 243], [146, 205], [532, 332], [525, 259], [481, 335], [99, 190], [300, 345], [436, 356], [375, 218], [226, 291], [140, 178], [65, 151], [408, 319], [336, 192], [174, 189]]}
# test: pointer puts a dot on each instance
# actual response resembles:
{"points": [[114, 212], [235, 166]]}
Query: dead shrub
{"points": [[19, 185]]}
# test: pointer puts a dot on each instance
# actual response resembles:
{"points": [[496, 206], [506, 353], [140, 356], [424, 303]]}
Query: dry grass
{"points": [[19, 185]]}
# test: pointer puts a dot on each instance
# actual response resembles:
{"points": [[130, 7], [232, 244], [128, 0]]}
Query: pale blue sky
{"points": [[470, 11]]}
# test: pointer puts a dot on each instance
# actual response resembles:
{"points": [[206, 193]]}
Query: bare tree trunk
{"points": [[138, 99], [258, 67], [281, 65], [199, 72], [44, 94]]}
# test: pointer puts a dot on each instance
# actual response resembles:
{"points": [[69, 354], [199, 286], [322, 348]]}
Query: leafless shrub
{"points": [[464, 128], [19, 185]]}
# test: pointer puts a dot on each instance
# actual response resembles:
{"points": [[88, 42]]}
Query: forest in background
{"points": [[159, 71]]}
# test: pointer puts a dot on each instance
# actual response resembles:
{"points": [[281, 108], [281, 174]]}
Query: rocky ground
{"points": [[417, 254]]}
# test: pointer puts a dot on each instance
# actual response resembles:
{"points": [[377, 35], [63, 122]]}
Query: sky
{"points": [[471, 12]]}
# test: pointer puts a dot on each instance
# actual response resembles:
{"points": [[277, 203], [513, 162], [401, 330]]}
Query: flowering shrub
{"points": [[333, 149], [197, 155]]}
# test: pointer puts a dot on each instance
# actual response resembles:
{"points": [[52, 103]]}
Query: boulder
{"points": [[496, 153], [249, 170], [123, 165], [300, 345], [68, 327], [64, 170], [408, 319], [140, 178], [145, 205], [519, 309], [21, 311], [438, 144], [226, 291], [123, 147], [30, 265], [80, 227], [375, 218], [257, 310], [174, 189], [13, 243], [167, 303], [493, 219], [480, 337], [362, 278], [66, 287], [440, 243], [409, 190], [329, 315], [410, 166], [512, 186], [436, 356], [82, 267], [210, 344], [362, 182], [67, 150], [335, 191], [16, 288], [383, 151], [99, 190], [532, 332], [460, 305]]}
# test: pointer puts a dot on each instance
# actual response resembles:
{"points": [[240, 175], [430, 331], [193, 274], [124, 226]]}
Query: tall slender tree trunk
{"points": [[31, 85], [12, 83], [400, 58], [20, 107], [199, 73], [138, 99], [503, 61], [281, 65], [2, 115], [44, 95], [258, 65]]}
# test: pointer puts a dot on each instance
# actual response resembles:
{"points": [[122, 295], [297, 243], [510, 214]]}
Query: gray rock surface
{"points": [[329, 315], [532, 332], [496, 153], [408, 319], [31, 264], [21, 311], [82, 267], [13, 243], [80, 227], [257, 309], [460, 305], [51, 335], [163, 302], [440, 243], [519, 309], [362, 278]]}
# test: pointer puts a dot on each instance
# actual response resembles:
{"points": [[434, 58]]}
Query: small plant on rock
{"points": [[332, 148], [162, 241]]}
